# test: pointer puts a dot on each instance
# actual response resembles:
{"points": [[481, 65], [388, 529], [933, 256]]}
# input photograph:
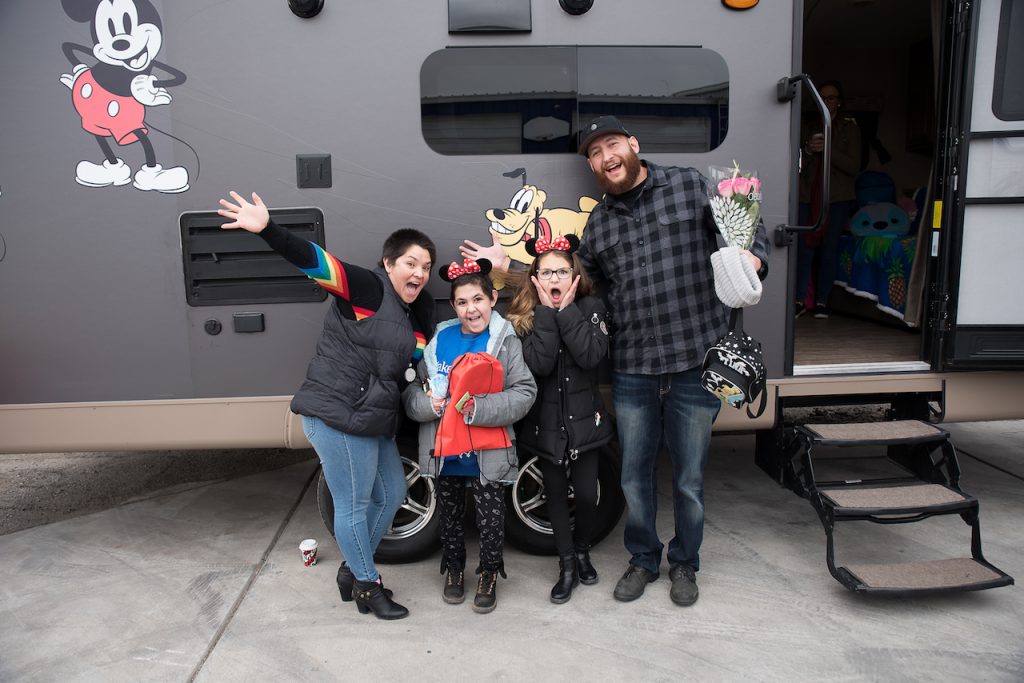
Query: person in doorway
{"points": [[465, 415], [565, 337], [350, 402], [649, 242], [821, 247]]}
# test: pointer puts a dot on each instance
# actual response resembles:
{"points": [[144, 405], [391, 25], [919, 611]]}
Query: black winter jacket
{"points": [[355, 379], [563, 352]]}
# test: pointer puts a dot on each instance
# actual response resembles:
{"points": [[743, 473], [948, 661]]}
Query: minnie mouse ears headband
{"points": [[454, 271], [542, 245]]}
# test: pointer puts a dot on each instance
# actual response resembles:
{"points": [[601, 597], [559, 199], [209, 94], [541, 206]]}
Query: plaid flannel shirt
{"points": [[655, 261]]}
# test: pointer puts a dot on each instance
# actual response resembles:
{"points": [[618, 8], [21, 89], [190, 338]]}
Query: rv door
{"points": [[976, 309]]}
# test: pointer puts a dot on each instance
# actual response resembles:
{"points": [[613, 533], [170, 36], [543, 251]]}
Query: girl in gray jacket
{"points": [[477, 328]]}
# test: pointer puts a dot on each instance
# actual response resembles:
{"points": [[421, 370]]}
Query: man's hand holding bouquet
{"points": [[735, 198]]}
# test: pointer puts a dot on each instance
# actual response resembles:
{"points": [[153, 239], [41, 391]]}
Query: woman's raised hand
{"points": [[495, 253], [252, 217]]}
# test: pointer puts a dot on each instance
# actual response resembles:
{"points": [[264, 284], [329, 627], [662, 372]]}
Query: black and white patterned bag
{"points": [[734, 368]]}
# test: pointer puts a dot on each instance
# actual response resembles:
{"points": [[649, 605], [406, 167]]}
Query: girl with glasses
{"points": [[565, 336]]}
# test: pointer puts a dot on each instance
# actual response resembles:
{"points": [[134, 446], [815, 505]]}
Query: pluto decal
{"points": [[527, 216]]}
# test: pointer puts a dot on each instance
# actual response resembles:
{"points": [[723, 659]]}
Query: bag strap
{"points": [[736, 319], [760, 408]]}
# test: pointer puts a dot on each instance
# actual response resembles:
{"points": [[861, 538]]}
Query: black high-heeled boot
{"points": [[345, 579], [588, 575], [568, 579], [370, 597]]}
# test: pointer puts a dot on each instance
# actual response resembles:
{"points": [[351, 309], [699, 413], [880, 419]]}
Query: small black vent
{"points": [[237, 267]]}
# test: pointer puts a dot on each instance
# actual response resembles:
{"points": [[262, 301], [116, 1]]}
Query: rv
{"points": [[131, 321]]}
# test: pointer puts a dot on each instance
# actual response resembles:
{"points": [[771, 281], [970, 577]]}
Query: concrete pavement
{"points": [[207, 584]]}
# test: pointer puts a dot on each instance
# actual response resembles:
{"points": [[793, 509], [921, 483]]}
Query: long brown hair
{"points": [[520, 311]]}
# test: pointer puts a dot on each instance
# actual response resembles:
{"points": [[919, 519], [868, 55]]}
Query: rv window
{"points": [[532, 100], [1007, 94]]}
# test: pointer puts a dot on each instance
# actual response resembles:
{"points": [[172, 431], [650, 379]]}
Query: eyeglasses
{"points": [[562, 273]]}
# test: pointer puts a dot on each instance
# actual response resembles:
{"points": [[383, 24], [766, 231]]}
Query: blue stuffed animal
{"points": [[880, 220]]}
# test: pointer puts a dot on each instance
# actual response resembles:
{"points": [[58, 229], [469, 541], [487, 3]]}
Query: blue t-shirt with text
{"points": [[452, 342]]}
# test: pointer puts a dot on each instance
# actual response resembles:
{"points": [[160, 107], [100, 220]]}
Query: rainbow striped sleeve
{"points": [[421, 343], [329, 273]]}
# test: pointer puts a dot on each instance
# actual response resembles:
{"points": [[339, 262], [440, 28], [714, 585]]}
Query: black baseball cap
{"points": [[600, 126]]}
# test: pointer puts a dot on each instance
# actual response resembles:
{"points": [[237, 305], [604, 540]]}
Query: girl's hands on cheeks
{"points": [[251, 217], [542, 292], [570, 295]]}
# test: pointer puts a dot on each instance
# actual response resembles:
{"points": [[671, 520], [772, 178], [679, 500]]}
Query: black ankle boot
{"points": [[370, 597], [454, 592], [588, 575], [345, 579], [486, 597], [568, 579]]}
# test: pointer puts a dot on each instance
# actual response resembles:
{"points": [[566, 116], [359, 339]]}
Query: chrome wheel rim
{"points": [[529, 500], [418, 507]]}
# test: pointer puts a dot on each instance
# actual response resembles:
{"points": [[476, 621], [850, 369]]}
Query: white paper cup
{"points": [[308, 548]]}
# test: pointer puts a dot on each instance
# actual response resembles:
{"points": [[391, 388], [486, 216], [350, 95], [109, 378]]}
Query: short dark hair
{"points": [[399, 242], [481, 279]]}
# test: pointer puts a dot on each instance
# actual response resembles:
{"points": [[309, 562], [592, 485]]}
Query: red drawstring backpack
{"points": [[472, 374]]}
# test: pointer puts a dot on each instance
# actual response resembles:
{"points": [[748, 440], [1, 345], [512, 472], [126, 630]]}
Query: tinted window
{"points": [[1007, 93], [532, 100]]}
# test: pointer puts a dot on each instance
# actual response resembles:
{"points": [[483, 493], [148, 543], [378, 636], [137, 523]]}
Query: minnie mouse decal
{"points": [[112, 96]]}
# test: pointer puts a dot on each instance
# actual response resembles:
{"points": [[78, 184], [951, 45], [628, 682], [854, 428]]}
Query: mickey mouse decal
{"points": [[112, 96]]}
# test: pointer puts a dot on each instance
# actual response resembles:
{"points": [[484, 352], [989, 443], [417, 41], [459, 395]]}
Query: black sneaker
{"points": [[820, 312], [454, 587], [684, 585], [798, 309], [486, 592], [632, 584]]}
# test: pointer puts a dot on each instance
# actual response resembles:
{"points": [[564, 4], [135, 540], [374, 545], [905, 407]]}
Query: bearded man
{"points": [[650, 241]]}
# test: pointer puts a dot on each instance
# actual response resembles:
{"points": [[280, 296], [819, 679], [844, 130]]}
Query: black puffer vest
{"points": [[355, 379], [563, 351]]}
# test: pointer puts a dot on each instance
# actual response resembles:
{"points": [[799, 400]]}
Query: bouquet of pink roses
{"points": [[735, 203]]}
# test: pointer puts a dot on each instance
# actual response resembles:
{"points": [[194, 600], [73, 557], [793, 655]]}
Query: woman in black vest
{"points": [[350, 401]]}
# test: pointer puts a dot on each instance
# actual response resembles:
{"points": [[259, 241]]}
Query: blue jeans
{"points": [[367, 483], [675, 411], [827, 252]]}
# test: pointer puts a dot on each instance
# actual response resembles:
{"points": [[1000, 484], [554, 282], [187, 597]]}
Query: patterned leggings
{"points": [[490, 520]]}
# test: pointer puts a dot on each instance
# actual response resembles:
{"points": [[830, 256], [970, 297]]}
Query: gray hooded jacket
{"points": [[492, 410]]}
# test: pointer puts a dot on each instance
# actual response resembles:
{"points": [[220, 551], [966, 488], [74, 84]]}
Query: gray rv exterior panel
{"points": [[93, 305]]}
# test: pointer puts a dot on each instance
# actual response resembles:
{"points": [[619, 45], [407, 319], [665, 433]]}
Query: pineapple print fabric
{"points": [[877, 268]]}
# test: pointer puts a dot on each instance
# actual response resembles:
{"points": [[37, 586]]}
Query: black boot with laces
{"points": [[486, 592], [454, 586]]}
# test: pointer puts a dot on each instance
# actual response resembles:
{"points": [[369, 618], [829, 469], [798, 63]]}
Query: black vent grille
{"points": [[236, 267]]}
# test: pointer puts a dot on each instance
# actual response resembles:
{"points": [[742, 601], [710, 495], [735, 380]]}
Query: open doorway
{"points": [[880, 54]]}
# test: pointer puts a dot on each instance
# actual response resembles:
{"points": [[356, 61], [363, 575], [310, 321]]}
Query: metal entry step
{"points": [[876, 433], [935, 576], [930, 486], [914, 499]]}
